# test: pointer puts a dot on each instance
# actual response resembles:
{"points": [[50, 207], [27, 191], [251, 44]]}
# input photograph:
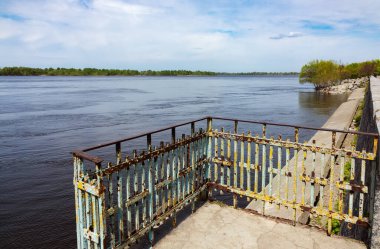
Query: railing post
{"points": [[78, 201], [331, 190], [101, 207], [235, 199], [119, 195], [173, 186], [190, 162], [209, 145], [295, 174], [264, 168], [151, 181]]}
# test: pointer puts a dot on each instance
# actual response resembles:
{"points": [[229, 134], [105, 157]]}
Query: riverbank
{"points": [[28, 71], [346, 86]]}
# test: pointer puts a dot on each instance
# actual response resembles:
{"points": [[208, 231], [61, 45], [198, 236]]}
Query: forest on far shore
{"points": [[324, 73], [29, 71]]}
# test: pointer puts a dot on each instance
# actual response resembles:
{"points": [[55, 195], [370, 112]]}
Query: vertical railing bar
{"points": [[119, 195], [81, 204], [229, 159], [185, 178], [110, 205], [146, 180], [156, 180], [303, 170], [295, 174], [88, 215], [169, 176], [242, 160], [341, 181], [249, 183], [235, 165], [94, 217], [270, 167], [144, 165], [209, 146], [263, 169], [362, 182], [287, 158], [216, 150], [77, 215], [152, 164], [222, 168], [174, 177], [194, 174], [199, 148], [178, 169], [202, 148], [331, 184], [163, 177], [312, 174], [279, 170], [101, 208], [321, 190], [127, 196], [352, 179], [175, 182], [136, 168], [257, 154]]}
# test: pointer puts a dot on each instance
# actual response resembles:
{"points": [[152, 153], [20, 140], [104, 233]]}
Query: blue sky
{"points": [[231, 36]]}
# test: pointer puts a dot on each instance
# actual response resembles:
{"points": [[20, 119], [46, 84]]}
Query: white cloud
{"points": [[289, 35], [191, 35]]}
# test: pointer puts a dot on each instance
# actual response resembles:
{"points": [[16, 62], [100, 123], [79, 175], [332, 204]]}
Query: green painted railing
{"points": [[138, 190]]}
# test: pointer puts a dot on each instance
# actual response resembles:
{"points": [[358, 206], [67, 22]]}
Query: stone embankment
{"points": [[346, 86]]}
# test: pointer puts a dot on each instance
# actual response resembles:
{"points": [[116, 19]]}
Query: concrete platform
{"points": [[215, 226]]}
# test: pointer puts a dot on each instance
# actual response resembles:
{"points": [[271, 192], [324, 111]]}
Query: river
{"points": [[42, 119]]}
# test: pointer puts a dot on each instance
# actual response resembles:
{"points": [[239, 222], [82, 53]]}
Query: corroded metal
{"points": [[137, 192]]}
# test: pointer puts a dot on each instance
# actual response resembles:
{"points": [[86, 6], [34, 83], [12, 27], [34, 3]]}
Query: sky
{"points": [[223, 36]]}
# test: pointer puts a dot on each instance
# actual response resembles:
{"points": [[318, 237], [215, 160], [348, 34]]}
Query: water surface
{"points": [[42, 119]]}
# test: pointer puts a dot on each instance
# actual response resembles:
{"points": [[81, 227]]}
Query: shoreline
{"points": [[346, 86]]}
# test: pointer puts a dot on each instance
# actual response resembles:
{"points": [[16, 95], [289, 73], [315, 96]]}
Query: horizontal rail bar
{"points": [[83, 155], [296, 126], [290, 204], [142, 134], [294, 145], [80, 153], [155, 153]]}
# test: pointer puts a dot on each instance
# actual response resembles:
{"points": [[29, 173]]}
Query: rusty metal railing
{"points": [[138, 190]]}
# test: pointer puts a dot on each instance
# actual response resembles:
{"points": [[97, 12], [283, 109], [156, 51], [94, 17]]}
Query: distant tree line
{"points": [[28, 71], [323, 73]]}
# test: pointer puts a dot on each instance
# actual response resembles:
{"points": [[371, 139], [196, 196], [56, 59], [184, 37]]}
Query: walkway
{"points": [[214, 226]]}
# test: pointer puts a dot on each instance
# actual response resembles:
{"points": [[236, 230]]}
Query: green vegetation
{"points": [[28, 71], [335, 226], [324, 73], [358, 114], [347, 171]]}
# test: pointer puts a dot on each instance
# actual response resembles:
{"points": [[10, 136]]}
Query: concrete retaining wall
{"points": [[370, 122]]}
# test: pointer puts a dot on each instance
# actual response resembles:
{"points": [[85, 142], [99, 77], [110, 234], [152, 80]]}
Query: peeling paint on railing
{"points": [[118, 204]]}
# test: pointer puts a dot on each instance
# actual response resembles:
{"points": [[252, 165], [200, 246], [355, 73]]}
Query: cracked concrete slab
{"points": [[215, 226]]}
